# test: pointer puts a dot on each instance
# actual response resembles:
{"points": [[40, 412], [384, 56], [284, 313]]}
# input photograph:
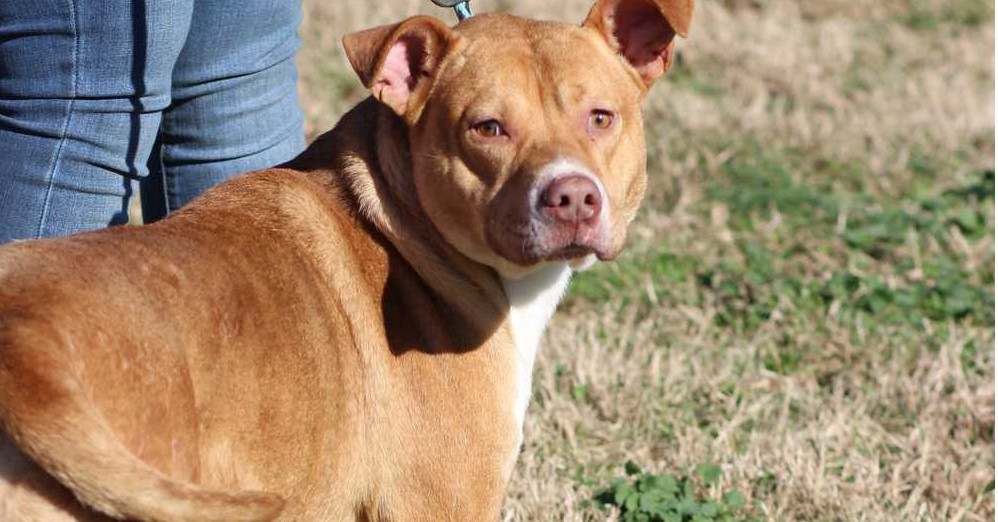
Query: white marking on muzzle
{"points": [[563, 166]]}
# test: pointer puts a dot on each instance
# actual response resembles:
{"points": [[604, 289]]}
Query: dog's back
{"points": [[101, 386]]}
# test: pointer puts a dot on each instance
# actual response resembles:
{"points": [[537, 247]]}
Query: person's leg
{"points": [[82, 87], [235, 96]]}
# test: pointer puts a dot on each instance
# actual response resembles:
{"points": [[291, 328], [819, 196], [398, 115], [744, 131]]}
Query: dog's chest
{"points": [[533, 300]]}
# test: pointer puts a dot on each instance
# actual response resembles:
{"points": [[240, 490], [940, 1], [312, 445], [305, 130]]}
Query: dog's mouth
{"points": [[571, 252], [566, 243], [530, 243]]}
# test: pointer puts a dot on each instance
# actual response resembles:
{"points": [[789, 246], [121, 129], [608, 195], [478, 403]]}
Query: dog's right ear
{"points": [[399, 62]]}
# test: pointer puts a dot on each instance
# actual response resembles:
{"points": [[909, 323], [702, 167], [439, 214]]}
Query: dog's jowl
{"points": [[349, 336]]}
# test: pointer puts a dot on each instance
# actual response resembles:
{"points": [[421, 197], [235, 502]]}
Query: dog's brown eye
{"points": [[600, 119], [488, 129]]}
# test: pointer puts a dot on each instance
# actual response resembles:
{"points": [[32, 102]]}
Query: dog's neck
{"points": [[530, 300], [369, 152]]}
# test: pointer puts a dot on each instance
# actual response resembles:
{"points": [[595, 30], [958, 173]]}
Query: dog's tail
{"points": [[46, 413]]}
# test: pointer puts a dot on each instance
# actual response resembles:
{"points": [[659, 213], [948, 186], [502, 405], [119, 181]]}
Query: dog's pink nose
{"points": [[571, 199]]}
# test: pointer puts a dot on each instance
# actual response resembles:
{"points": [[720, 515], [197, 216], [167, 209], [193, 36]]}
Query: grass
{"points": [[807, 300], [646, 497]]}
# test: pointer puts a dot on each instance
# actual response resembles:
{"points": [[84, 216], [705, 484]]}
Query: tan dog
{"points": [[351, 336]]}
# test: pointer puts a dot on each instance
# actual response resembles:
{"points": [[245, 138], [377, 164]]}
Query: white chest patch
{"points": [[532, 301]]}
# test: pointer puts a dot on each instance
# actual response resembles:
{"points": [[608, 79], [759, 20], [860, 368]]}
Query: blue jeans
{"points": [[173, 96]]}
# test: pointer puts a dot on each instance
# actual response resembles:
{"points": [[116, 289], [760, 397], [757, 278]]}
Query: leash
{"points": [[461, 7]]}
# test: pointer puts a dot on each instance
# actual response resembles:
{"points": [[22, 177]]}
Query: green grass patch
{"points": [[923, 15], [835, 248], [631, 271], [646, 497]]}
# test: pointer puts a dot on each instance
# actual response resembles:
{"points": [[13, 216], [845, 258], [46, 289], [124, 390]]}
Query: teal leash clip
{"points": [[462, 8]]}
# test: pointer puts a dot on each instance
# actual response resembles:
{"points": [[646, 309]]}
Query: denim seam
{"points": [[50, 179]]}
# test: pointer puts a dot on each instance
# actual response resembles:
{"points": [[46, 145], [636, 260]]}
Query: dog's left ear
{"points": [[399, 62], [642, 31]]}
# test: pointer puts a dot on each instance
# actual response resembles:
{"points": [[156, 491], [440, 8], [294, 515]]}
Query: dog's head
{"points": [[526, 137]]}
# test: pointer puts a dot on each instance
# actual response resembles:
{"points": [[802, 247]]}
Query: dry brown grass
{"points": [[884, 105]]}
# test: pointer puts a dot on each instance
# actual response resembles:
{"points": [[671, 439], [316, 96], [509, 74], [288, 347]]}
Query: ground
{"points": [[807, 302]]}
